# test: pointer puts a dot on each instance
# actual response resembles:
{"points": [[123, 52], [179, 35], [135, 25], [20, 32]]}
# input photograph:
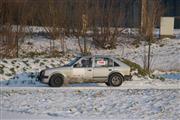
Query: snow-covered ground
{"points": [[165, 52], [23, 72], [91, 104], [165, 57], [21, 96]]}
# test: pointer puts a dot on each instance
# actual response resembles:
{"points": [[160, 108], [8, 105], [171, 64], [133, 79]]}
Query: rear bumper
{"points": [[128, 77]]}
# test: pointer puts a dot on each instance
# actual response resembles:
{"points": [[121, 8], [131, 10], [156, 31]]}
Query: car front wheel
{"points": [[56, 81], [115, 79]]}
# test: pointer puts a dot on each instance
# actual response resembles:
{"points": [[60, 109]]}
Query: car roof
{"points": [[113, 57], [98, 56]]}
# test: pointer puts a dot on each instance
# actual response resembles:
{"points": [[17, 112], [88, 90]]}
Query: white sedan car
{"points": [[98, 69]]}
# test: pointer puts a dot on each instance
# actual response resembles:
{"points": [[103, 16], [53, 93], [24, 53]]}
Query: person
{"points": [[83, 63], [110, 63]]}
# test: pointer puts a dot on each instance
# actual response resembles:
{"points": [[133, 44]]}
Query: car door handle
{"points": [[110, 69], [89, 70]]}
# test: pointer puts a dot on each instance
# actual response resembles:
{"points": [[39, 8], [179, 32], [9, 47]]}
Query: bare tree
{"points": [[150, 15], [107, 21], [81, 25], [12, 35], [53, 21]]}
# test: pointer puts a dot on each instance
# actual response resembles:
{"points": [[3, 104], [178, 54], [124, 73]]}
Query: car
{"points": [[89, 69]]}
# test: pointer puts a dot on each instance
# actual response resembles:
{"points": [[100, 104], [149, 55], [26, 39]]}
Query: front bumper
{"points": [[42, 78]]}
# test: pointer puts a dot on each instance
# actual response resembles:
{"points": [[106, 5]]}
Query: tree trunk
{"points": [[79, 44], [149, 54], [85, 48]]}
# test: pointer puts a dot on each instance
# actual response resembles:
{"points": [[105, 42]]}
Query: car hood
{"points": [[61, 70]]}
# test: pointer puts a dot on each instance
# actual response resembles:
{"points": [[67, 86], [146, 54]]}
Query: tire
{"points": [[107, 83], [56, 80], [115, 79]]}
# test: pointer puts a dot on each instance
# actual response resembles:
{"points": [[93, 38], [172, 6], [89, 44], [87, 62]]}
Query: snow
{"points": [[22, 97], [164, 58], [23, 73], [20, 66], [90, 104], [165, 52]]}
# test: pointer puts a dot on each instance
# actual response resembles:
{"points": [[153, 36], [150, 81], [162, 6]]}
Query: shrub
{"points": [[41, 63], [12, 70], [36, 61], [13, 62], [161, 45], [24, 69], [135, 66], [8, 74], [1, 69], [33, 54], [29, 43], [26, 63], [162, 79], [136, 43], [56, 53], [4, 61]]}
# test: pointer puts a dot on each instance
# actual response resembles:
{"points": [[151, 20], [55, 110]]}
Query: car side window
{"points": [[110, 63], [116, 64], [103, 62], [83, 63]]}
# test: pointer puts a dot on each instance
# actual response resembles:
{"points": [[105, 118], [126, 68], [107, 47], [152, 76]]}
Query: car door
{"points": [[82, 70], [103, 66]]}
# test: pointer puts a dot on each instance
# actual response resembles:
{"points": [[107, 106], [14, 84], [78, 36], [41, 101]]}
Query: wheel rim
{"points": [[57, 80], [116, 80]]}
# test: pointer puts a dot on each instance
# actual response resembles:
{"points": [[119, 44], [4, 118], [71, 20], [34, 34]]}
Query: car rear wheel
{"points": [[56, 80], [107, 83], [115, 79]]}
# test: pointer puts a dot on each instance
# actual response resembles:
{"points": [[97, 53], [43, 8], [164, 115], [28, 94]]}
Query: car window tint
{"points": [[84, 62], [103, 62], [116, 64], [72, 62]]}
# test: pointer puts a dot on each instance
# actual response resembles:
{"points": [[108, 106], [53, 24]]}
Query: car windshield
{"points": [[72, 62]]}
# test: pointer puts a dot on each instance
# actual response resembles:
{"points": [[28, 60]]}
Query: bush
{"points": [[161, 45], [12, 70], [135, 66], [4, 61], [1, 69], [29, 43], [8, 74], [13, 62], [34, 54], [36, 61], [56, 53], [136, 43], [41, 64]]}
